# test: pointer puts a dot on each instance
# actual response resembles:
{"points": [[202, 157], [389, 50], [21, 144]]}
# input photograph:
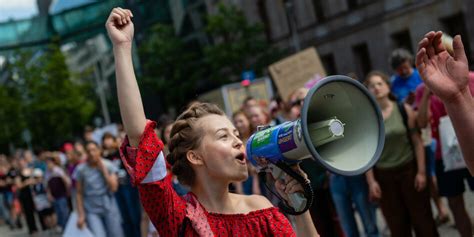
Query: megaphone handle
{"points": [[296, 200]]}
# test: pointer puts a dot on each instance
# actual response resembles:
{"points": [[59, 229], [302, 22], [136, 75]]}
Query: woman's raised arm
{"points": [[120, 29]]}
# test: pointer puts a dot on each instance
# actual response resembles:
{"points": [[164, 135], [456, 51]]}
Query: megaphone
{"points": [[341, 127]]}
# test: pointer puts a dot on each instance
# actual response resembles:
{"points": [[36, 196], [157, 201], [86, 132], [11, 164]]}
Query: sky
{"points": [[17, 9], [23, 9]]}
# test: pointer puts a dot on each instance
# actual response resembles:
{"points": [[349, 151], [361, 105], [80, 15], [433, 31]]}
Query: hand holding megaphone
{"points": [[289, 188]]}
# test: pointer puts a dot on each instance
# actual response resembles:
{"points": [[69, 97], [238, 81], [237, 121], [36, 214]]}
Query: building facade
{"points": [[356, 36]]}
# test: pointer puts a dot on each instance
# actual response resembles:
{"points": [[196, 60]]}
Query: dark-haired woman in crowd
{"points": [[398, 180]]}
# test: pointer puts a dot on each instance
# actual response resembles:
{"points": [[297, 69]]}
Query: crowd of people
{"points": [[191, 177]]}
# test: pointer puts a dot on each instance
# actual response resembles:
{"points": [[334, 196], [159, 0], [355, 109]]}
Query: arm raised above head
{"points": [[120, 29]]}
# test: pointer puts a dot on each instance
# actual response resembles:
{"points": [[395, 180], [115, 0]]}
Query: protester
{"points": [[295, 103], [41, 201], [24, 182], [398, 180], [248, 102], [96, 181], [278, 110], [205, 154], [251, 185], [12, 197], [448, 78], [258, 116], [6, 191], [81, 151], [127, 196], [406, 78], [349, 191], [430, 145], [58, 187]]}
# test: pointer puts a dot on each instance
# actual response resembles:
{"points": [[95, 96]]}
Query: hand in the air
{"points": [[119, 26], [446, 75]]}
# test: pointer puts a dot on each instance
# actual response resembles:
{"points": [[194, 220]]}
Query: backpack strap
{"points": [[403, 112]]}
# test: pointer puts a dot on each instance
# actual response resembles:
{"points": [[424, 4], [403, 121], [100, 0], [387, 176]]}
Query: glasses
{"points": [[298, 102]]}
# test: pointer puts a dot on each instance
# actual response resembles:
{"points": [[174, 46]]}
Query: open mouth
{"points": [[241, 158]]}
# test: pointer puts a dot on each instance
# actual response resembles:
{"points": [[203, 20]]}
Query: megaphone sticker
{"points": [[285, 138], [262, 138]]}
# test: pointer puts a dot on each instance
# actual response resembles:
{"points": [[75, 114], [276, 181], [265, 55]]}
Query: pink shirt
{"points": [[437, 110]]}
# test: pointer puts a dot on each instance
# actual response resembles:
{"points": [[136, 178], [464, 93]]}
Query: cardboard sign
{"points": [[231, 96], [260, 90], [293, 72]]}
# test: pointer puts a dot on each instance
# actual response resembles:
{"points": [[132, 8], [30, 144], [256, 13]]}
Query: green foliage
{"points": [[238, 45], [12, 123], [170, 67], [53, 107], [177, 70]]}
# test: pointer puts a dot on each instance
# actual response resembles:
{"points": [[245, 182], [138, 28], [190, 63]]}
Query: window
{"points": [[351, 4], [361, 59], [329, 64], [402, 39], [319, 10], [262, 12]]}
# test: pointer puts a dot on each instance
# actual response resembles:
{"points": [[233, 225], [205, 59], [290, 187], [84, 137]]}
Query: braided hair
{"points": [[185, 136]]}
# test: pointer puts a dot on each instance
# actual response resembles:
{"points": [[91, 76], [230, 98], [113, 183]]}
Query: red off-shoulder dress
{"points": [[168, 211]]}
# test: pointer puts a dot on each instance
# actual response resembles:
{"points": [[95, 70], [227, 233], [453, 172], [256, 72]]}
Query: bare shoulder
{"points": [[249, 203]]}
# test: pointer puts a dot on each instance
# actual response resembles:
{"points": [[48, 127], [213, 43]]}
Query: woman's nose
{"points": [[238, 143]]}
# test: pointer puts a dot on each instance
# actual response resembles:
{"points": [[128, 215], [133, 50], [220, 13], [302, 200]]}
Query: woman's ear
{"points": [[194, 157]]}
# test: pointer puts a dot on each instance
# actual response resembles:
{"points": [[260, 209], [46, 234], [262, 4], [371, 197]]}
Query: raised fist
{"points": [[119, 26]]}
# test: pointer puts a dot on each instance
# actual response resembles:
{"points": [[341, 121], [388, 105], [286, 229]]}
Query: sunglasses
{"points": [[298, 102]]}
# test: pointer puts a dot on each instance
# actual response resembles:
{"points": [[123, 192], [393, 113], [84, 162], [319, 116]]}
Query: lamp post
{"points": [[290, 15]]}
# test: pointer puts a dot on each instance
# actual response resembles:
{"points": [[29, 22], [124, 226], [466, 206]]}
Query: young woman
{"points": [[398, 180], [205, 153], [258, 116], [242, 123], [96, 181]]}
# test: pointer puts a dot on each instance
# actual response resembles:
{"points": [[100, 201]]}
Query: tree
{"points": [[238, 45], [54, 107], [170, 67], [179, 70], [12, 123]]}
